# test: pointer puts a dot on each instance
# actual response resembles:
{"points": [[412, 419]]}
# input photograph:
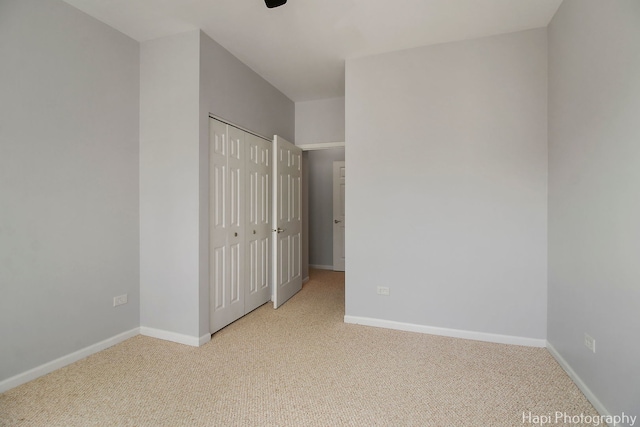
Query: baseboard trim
{"points": [[305, 280], [63, 361], [578, 381], [321, 267], [175, 337], [446, 332], [204, 339]]}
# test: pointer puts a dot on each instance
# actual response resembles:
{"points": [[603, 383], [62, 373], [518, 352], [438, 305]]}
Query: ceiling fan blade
{"points": [[274, 3]]}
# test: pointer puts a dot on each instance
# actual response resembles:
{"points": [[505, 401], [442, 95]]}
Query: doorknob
{"points": [[336, 221], [235, 234], [279, 230]]}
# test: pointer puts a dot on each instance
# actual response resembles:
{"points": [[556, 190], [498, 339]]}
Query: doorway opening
{"points": [[318, 198]]}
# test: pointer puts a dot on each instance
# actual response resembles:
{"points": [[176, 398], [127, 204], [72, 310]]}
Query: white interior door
{"points": [[227, 217], [258, 226], [338, 215], [287, 224], [236, 228]]}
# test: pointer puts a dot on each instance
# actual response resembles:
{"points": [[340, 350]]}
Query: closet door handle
{"points": [[235, 234], [279, 230]]}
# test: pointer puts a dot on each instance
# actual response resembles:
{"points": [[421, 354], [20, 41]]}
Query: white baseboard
{"points": [[204, 339], [321, 267], [578, 381], [446, 332], [63, 361], [175, 337]]}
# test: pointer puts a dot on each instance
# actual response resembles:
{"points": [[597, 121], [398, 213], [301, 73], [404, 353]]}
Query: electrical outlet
{"points": [[589, 342], [383, 290], [119, 300]]}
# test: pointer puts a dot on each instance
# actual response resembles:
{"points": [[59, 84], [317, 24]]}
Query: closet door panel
{"points": [[288, 224], [226, 225], [236, 231], [219, 274], [258, 223]]}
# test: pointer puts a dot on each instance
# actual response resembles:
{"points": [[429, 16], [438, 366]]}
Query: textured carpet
{"points": [[300, 365]]}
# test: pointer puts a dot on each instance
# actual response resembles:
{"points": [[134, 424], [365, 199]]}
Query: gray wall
{"points": [[320, 121], [447, 191], [233, 91], [594, 232], [316, 122], [169, 184], [68, 182]]}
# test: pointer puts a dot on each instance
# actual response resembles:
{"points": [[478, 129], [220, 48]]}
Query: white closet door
{"points": [[258, 222], [287, 213], [236, 231], [227, 216]]}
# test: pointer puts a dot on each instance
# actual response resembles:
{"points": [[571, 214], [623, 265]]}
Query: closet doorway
{"points": [[254, 222]]}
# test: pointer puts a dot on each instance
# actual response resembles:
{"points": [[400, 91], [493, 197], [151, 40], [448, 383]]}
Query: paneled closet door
{"points": [[227, 224], [258, 224], [287, 212]]}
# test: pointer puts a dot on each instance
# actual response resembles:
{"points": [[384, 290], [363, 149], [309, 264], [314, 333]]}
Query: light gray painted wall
{"points": [[169, 184], [321, 205], [594, 232], [320, 121], [231, 90], [447, 189], [236, 93], [68, 182]]}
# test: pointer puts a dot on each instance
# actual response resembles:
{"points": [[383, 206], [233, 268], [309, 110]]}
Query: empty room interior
{"points": [[514, 127]]}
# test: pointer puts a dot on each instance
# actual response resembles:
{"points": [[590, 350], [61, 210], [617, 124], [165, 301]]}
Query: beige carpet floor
{"points": [[300, 365]]}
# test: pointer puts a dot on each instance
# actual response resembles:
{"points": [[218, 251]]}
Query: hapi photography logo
{"points": [[565, 419]]}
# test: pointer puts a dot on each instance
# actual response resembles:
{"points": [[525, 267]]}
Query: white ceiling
{"points": [[300, 47]]}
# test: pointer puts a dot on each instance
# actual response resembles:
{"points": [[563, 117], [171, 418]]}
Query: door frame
{"points": [[321, 146], [338, 219]]}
